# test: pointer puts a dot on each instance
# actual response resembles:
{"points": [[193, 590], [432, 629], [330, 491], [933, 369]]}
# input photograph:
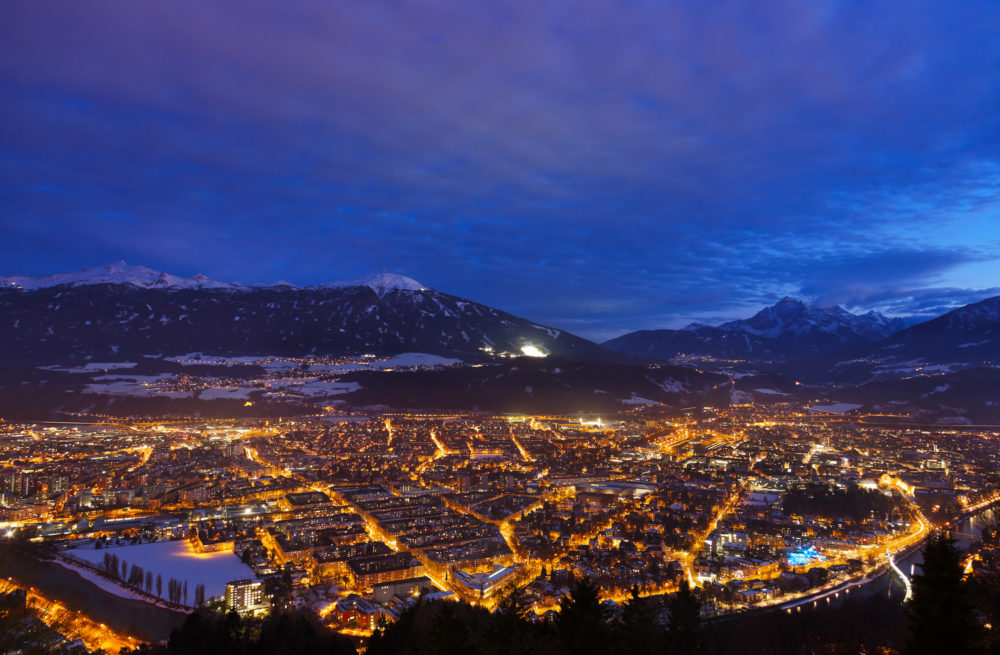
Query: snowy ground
{"points": [[772, 392], [134, 385], [226, 393], [101, 581], [835, 408], [175, 559], [639, 400], [92, 367], [279, 384], [311, 387], [274, 362], [416, 359]]}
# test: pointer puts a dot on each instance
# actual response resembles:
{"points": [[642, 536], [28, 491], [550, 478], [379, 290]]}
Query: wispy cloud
{"points": [[600, 166]]}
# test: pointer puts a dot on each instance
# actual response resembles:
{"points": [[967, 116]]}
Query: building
{"points": [[483, 585], [246, 597], [367, 571], [384, 591]]}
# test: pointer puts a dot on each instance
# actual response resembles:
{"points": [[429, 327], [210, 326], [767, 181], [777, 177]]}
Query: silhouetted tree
{"points": [[940, 612], [582, 621], [448, 634], [684, 625], [516, 605], [640, 634]]}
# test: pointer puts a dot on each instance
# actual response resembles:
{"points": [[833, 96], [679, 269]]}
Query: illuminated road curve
{"points": [[902, 576]]}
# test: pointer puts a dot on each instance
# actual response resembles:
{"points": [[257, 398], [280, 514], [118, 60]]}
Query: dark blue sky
{"points": [[593, 165]]}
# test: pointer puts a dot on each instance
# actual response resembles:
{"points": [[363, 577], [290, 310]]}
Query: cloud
{"points": [[606, 166], [923, 304]]}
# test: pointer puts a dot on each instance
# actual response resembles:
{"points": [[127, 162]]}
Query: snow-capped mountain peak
{"points": [[788, 328], [382, 283], [120, 273], [792, 318]]}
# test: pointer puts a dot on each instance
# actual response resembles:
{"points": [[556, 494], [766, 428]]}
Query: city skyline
{"points": [[410, 327]]}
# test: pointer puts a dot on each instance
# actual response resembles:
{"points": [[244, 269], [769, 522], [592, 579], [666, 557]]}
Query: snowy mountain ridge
{"points": [[147, 278], [794, 318], [120, 273], [135, 311], [788, 329]]}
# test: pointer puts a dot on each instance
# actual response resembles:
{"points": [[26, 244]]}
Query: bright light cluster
{"points": [[804, 556], [531, 350]]}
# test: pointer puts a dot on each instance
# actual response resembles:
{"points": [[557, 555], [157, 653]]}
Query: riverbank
{"points": [[131, 617]]}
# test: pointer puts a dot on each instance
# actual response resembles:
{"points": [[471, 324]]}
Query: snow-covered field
{"points": [[163, 384], [225, 393], [132, 385], [101, 581], [639, 400], [176, 559], [92, 367], [835, 408], [771, 392], [416, 359], [274, 362]]}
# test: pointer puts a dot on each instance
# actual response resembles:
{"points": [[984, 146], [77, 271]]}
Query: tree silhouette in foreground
{"points": [[870, 625], [582, 621], [640, 632], [940, 613], [283, 633], [684, 626]]}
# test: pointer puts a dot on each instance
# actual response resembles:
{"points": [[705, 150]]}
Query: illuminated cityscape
{"points": [[499, 328], [357, 516]]}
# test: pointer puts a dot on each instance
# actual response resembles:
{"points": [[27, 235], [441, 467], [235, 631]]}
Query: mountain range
{"points": [[787, 330], [133, 314], [126, 311]]}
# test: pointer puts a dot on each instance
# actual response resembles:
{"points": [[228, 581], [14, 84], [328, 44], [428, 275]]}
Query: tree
{"points": [[149, 582], [159, 585], [941, 616], [448, 633], [135, 575], [581, 620], [640, 633], [516, 605], [684, 626], [510, 630]]}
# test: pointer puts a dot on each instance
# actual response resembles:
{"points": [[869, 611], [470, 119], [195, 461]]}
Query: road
{"points": [[70, 623]]}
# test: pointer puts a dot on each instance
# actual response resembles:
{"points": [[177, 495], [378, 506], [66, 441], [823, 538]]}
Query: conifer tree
{"points": [[684, 626], [940, 613], [582, 621]]}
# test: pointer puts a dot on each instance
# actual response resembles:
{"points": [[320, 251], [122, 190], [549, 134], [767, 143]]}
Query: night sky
{"points": [[596, 166]]}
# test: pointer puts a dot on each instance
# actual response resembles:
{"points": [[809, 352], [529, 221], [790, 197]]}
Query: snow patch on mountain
{"points": [[382, 283], [771, 392], [669, 386]]}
